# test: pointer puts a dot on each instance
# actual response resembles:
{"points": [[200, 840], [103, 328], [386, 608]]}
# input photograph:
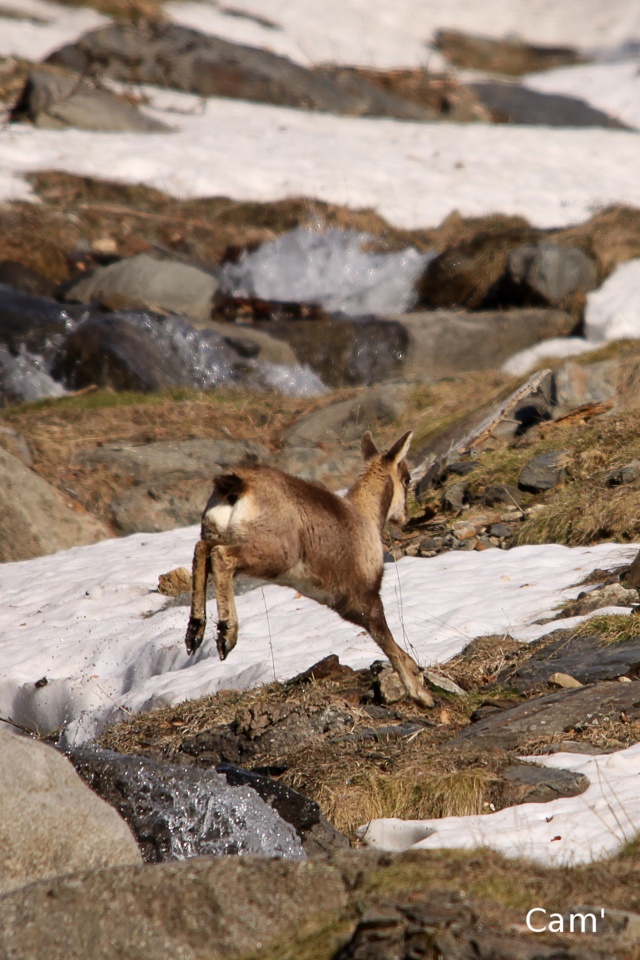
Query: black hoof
{"points": [[195, 634], [221, 640]]}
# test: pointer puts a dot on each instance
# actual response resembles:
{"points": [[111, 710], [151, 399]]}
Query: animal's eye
{"points": [[407, 481]]}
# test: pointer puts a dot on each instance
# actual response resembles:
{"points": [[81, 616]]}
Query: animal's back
{"points": [[292, 531]]}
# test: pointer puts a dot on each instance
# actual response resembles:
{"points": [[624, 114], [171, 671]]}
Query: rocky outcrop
{"points": [[211, 908], [513, 103], [36, 519], [51, 823]]}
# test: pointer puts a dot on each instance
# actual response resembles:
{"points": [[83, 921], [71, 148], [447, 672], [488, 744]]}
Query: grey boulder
{"points": [[51, 823]]}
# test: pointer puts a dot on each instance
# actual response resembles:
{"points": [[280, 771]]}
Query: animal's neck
{"points": [[371, 495]]}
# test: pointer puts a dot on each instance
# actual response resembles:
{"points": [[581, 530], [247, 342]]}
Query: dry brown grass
{"points": [[122, 9]]}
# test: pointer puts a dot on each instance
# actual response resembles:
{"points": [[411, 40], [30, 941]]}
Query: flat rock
{"points": [[581, 656], [35, 518], [147, 283], [173, 460], [551, 716], [513, 103], [534, 784], [162, 506], [335, 468], [171, 479], [542, 472], [55, 98], [51, 823]]}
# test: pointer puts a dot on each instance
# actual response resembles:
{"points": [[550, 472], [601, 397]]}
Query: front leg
{"points": [[224, 566], [370, 615], [199, 575]]}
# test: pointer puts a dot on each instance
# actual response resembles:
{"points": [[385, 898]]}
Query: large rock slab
{"points": [[448, 341], [51, 822], [546, 717], [170, 55], [148, 283], [35, 519], [203, 909], [347, 420], [173, 460]]}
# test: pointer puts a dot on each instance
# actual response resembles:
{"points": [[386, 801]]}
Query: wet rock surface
{"points": [[180, 812]]}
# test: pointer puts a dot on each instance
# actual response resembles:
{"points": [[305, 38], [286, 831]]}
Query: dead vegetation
{"points": [[77, 215]]}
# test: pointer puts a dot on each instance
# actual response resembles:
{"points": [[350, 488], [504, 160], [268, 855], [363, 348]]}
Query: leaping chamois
{"points": [[269, 524]]}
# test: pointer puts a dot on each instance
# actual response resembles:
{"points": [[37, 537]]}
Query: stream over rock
{"points": [[178, 812]]}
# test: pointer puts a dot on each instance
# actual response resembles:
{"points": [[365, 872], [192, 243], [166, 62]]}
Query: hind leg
{"points": [[224, 565], [199, 575]]}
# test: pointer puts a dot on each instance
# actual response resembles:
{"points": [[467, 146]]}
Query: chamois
{"points": [[269, 524]]}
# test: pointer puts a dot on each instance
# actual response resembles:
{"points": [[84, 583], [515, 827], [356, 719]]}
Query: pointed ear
{"points": [[367, 446], [400, 448]]}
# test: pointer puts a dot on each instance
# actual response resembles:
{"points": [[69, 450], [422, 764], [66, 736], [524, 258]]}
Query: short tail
{"points": [[229, 487]]}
